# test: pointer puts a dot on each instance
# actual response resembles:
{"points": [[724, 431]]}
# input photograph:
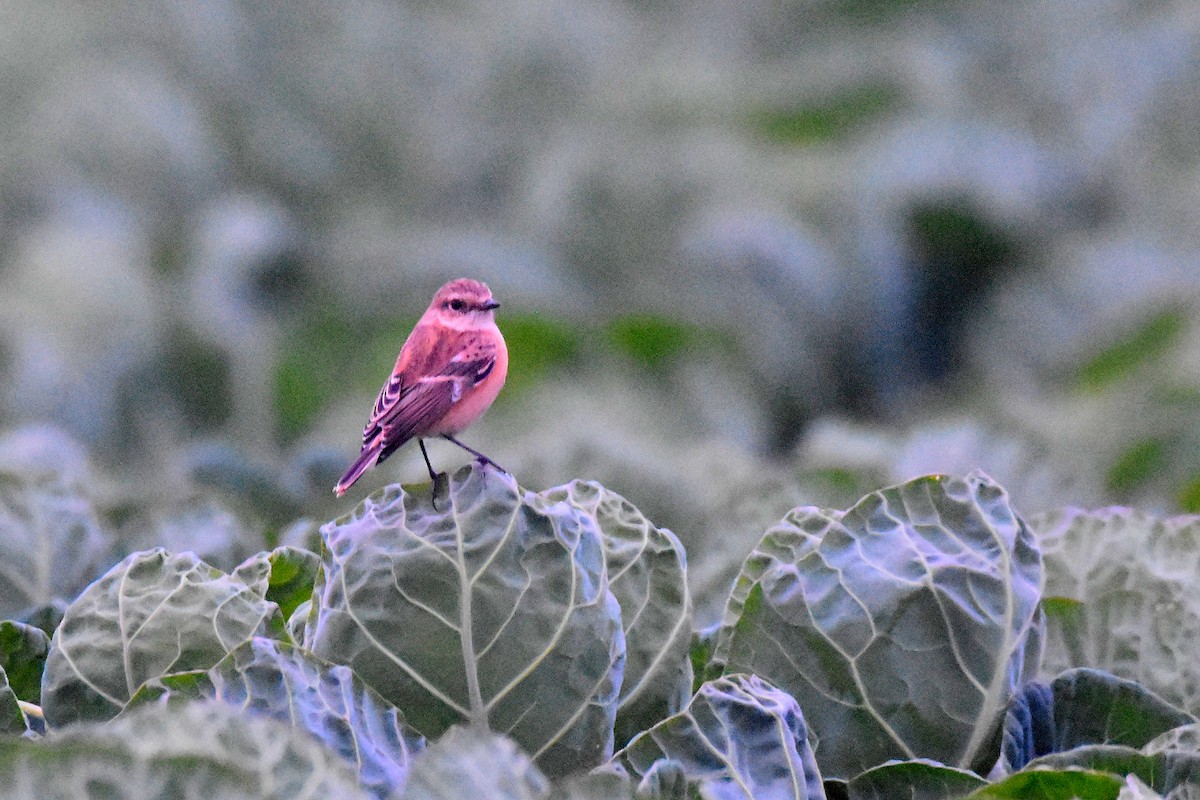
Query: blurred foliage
{"points": [[953, 234], [327, 353], [653, 341], [830, 118], [1136, 465], [1143, 345], [959, 255], [215, 237], [198, 374], [312, 369], [323, 356], [1189, 496], [537, 344], [869, 11]]}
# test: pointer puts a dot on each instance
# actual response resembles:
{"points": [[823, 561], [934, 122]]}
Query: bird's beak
{"points": [[490, 304]]}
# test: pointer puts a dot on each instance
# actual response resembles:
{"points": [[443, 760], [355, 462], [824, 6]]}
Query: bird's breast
{"points": [[478, 398]]}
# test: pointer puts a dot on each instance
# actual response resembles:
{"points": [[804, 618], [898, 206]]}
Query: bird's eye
{"points": [[457, 305]]}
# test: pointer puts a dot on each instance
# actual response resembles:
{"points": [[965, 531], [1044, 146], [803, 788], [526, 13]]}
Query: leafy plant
{"points": [[1120, 597], [23, 651], [647, 571], [152, 614], [902, 626], [503, 643], [195, 751], [495, 612], [51, 543], [272, 679], [739, 737]]}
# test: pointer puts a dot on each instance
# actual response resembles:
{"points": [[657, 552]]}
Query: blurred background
{"points": [[751, 255]]}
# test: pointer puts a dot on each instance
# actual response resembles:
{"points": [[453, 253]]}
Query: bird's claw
{"points": [[441, 486]]}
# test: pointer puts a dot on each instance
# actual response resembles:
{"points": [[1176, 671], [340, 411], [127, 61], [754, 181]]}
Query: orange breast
{"points": [[479, 398]]}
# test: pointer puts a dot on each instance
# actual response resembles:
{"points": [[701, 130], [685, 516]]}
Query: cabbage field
{"points": [[926, 642]]}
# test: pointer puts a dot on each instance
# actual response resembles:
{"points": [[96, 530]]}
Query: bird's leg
{"points": [[439, 478], [433, 476], [478, 455]]}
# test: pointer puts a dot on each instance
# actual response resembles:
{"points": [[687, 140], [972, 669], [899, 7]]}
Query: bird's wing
{"points": [[433, 373]]}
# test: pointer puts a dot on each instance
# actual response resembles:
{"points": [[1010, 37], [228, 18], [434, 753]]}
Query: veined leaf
{"points": [[291, 572], [298, 623], [494, 610], [274, 679], [608, 784], [1163, 771], [51, 542], [152, 614], [919, 779], [739, 738], [647, 572], [1083, 707], [666, 779], [193, 751], [902, 626], [1185, 738], [1136, 613]]}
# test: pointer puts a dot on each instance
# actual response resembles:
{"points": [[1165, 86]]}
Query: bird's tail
{"points": [[366, 459]]}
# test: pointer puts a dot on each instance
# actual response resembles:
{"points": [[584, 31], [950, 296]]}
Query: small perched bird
{"points": [[449, 371]]}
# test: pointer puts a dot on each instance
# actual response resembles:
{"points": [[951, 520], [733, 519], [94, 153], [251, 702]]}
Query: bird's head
{"points": [[463, 303]]}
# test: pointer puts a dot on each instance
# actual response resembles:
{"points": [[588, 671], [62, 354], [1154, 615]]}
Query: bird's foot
{"points": [[484, 460], [441, 488]]}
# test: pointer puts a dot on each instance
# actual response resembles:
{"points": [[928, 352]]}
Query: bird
{"points": [[448, 373]]}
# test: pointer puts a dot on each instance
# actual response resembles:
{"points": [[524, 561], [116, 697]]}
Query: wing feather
{"points": [[433, 372]]}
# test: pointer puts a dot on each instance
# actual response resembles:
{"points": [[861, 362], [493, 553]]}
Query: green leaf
{"points": [[1136, 465], [1163, 771], [1051, 784], [652, 341], [469, 763], [1137, 615], [292, 571], [194, 750], [45, 617], [298, 623], [739, 737], [700, 652], [1146, 343], [647, 573], [1094, 707], [1083, 707], [919, 779], [23, 650], [494, 610], [1189, 496], [51, 542], [829, 118], [902, 626], [537, 344], [12, 721], [274, 679], [152, 614]]}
